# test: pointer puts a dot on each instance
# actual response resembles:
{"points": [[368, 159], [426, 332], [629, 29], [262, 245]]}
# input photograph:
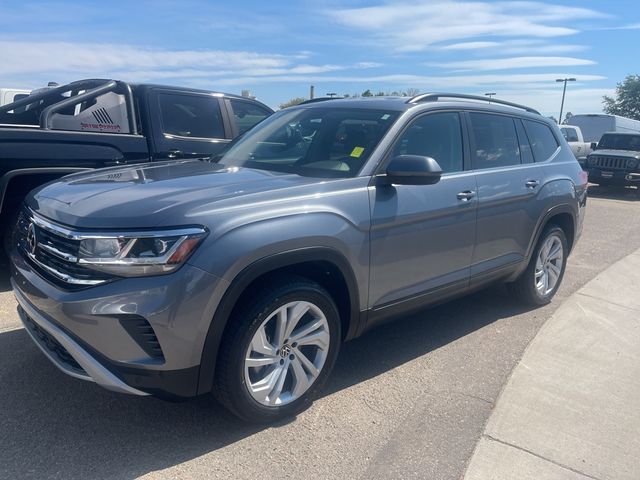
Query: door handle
{"points": [[466, 195], [174, 153], [532, 183]]}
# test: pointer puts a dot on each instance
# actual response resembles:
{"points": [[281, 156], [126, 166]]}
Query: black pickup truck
{"points": [[616, 160], [100, 123]]}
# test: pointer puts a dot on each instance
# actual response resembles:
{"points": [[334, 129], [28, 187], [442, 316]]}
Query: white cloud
{"points": [[415, 26], [547, 101], [470, 46], [513, 47], [24, 59], [425, 83], [516, 62]]}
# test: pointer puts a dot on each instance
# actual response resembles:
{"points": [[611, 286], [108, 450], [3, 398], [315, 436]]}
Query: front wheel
{"points": [[540, 281], [278, 351]]}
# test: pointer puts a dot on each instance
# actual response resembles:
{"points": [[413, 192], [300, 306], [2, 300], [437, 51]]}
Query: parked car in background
{"points": [[580, 148], [99, 123], [616, 160], [594, 125], [244, 274], [9, 95]]}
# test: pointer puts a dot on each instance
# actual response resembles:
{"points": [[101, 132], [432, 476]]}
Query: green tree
{"points": [[626, 101], [567, 117], [367, 93], [292, 102], [380, 94]]}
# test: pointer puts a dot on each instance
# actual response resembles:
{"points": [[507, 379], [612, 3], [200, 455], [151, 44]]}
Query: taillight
{"points": [[584, 178]]}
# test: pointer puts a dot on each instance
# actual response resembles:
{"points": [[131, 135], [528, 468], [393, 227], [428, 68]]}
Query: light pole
{"points": [[564, 90], [490, 94], [332, 94]]}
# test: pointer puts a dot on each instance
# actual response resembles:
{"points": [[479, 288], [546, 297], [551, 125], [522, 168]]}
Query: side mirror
{"points": [[594, 145], [413, 170]]}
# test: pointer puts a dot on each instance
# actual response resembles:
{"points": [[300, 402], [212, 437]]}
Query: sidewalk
{"points": [[571, 409]]}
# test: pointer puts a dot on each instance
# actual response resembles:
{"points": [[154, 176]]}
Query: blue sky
{"points": [[277, 49]]}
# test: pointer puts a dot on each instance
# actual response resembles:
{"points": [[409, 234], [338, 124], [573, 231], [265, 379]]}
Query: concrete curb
{"points": [[571, 407]]}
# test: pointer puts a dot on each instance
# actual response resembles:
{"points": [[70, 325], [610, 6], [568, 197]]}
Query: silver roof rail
{"points": [[434, 97]]}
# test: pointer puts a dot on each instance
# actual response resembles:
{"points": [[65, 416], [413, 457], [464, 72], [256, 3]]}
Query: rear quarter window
{"points": [[543, 142]]}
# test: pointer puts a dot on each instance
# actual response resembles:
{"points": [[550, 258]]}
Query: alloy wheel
{"points": [[549, 265], [287, 353]]}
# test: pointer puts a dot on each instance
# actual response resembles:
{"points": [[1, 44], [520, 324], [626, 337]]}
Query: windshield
{"points": [[620, 142], [322, 142]]}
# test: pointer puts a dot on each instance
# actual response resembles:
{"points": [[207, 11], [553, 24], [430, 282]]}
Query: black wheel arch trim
{"points": [[9, 176], [252, 272], [556, 210]]}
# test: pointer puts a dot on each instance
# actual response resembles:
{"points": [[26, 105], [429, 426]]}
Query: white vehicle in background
{"points": [[594, 125], [579, 147], [10, 95]]}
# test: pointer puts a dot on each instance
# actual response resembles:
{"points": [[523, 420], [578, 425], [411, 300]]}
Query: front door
{"points": [[422, 236]]}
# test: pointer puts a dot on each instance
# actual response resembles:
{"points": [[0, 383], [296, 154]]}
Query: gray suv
{"points": [[242, 274]]}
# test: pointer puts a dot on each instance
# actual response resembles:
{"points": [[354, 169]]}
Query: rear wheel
{"points": [[278, 352], [540, 281]]}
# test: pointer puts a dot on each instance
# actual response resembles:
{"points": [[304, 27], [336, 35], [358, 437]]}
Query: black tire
{"points": [[525, 285], [230, 386]]}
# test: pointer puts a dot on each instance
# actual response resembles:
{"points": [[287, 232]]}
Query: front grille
{"points": [[614, 163], [53, 346], [54, 255]]}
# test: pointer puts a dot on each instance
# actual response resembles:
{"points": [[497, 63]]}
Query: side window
{"points": [[569, 134], [525, 146], [247, 114], [196, 116], [437, 135], [495, 141], [543, 141]]}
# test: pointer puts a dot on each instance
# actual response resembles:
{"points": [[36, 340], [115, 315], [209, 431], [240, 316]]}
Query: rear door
{"points": [[508, 183], [422, 236], [187, 124]]}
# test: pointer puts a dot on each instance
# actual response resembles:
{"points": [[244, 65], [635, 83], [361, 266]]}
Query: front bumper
{"points": [[65, 353], [613, 177], [87, 333]]}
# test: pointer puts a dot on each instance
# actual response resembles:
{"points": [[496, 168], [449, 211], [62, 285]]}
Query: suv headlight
{"points": [[631, 163], [592, 160], [141, 253]]}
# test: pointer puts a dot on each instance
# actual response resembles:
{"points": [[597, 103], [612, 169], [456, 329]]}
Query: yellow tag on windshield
{"points": [[357, 151]]}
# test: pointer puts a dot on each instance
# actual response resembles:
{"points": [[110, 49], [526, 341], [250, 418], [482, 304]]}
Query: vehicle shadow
{"points": [[5, 284], [54, 423], [615, 193]]}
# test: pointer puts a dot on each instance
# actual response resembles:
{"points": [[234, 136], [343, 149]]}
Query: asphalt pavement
{"points": [[408, 400]]}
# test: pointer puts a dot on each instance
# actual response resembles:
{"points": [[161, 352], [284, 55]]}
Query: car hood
{"points": [[150, 195], [616, 153]]}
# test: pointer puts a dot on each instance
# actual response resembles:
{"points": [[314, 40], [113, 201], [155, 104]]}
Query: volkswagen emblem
{"points": [[285, 351], [32, 241]]}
